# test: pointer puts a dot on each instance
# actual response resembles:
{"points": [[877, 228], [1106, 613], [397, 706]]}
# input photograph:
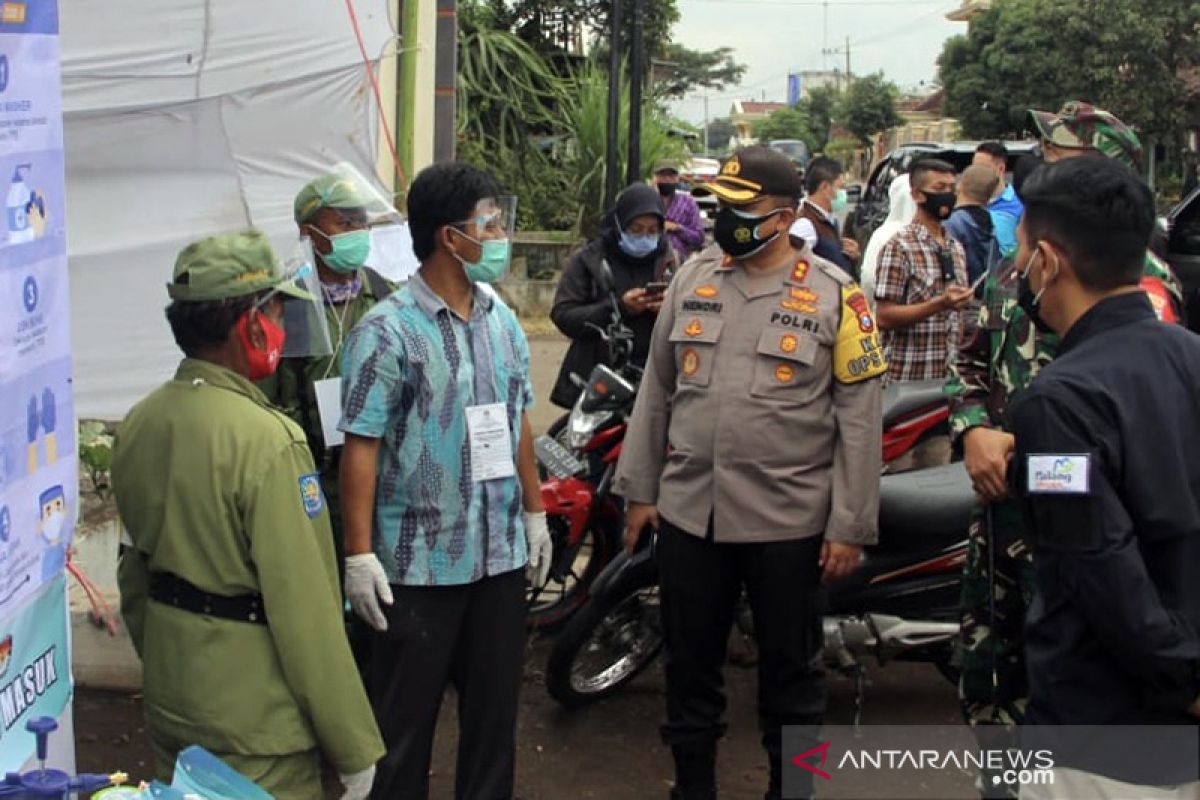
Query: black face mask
{"points": [[667, 189], [736, 232], [939, 204], [1028, 300]]}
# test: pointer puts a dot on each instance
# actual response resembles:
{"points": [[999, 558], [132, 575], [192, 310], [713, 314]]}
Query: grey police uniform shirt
{"points": [[761, 405]]}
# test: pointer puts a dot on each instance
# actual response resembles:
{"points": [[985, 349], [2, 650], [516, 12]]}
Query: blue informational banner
{"points": [[35, 670], [794, 87], [39, 487]]}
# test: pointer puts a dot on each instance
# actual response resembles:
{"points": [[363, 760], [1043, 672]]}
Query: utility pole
{"points": [[836, 51], [633, 172], [706, 123], [612, 170]]}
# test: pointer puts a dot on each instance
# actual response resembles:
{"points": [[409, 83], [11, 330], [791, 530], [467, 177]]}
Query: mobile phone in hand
{"points": [[656, 287]]}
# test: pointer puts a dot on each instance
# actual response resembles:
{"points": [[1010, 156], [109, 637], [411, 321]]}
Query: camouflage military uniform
{"points": [[291, 389]]}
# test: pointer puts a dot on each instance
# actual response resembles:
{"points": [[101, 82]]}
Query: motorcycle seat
{"points": [[900, 399], [925, 504]]}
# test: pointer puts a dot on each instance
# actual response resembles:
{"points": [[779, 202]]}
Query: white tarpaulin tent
{"points": [[186, 118]]}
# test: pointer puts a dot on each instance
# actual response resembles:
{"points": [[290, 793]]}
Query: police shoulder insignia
{"points": [[311, 495], [834, 271], [857, 355]]}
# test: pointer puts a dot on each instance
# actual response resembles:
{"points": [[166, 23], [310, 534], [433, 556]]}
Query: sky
{"points": [[903, 38]]}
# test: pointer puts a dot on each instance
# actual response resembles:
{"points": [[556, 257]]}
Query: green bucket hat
{"points": [[1082, 126], [329, 191], [231, 265]]}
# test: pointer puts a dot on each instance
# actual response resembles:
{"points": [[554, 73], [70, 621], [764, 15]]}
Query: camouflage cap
{"points": [[1082, 126], [231, 265], [329, 191]]}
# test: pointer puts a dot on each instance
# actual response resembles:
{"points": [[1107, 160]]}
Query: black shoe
{"points": [[695, 772], [694, 794]]}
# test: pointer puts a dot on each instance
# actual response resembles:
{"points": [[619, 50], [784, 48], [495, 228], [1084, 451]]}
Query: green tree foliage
{"points": [[1122, 55], [506, 89], [790, 122], [868, 107], [586, 115], [820, 106], [680, 70]]}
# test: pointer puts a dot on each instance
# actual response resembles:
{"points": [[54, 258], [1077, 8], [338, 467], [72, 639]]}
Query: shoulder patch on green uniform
{"points": [[311, 495]]}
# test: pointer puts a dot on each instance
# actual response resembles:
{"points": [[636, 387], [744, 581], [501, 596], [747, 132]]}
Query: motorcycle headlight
{"points": [[583, 426]]}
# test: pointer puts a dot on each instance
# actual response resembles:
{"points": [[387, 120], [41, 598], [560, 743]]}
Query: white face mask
{"points": [[52, 526]]}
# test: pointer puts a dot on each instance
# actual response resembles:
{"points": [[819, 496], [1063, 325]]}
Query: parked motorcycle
{"points": [[578, 458], [901, 604]]}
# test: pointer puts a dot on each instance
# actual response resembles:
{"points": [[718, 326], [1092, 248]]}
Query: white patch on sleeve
{"points": [[1058, 474]]}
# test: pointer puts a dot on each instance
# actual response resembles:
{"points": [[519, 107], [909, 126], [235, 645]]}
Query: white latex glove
{"points": [[366, 586], [357, 786], [541, 549]]}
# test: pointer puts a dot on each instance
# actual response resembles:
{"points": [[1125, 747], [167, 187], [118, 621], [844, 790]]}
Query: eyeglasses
{"points": [[491, 223]]}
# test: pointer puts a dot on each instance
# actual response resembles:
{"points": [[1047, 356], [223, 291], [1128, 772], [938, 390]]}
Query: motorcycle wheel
{"points": [[571, 575], [605, 646]]}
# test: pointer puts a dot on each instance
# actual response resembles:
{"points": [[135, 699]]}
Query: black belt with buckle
{"points": [[172, 590]]}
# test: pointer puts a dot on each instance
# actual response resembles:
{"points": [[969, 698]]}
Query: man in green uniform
{"points": [[993, 367], [228, 583], [331, 211]]}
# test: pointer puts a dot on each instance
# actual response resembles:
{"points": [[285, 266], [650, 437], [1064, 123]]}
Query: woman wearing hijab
{"points": [[902, 211], [634, 245]]}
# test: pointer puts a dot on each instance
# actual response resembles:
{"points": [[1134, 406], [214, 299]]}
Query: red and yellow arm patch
{"points": [[857, 354]]}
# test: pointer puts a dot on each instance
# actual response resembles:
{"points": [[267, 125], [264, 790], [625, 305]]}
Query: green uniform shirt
{"points": [[215, 485]]}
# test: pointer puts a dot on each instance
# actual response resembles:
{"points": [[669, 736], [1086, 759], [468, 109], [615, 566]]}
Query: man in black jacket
{"points": [[1108, 473], [635, 247]]}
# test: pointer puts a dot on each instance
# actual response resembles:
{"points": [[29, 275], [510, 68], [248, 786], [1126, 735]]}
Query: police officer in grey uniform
{"points": [[754, 450]]}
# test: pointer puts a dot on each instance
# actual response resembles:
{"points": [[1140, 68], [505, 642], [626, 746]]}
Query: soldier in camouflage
{"points": [[993, 366], [331, 212]]}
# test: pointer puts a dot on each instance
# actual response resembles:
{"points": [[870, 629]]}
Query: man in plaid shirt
{"points": [[921, 287], [922, 282]]}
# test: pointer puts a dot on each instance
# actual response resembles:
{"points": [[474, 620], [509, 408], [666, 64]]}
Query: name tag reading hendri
{"points": [[491, 442], [1058, 474]]}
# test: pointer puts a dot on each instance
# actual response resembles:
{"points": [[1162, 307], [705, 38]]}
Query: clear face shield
{"points": [[491, 226], [364, 205], [305, 322]]}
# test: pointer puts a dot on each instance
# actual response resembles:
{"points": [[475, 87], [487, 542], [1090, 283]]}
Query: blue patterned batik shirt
{"points": [[410, 370]]}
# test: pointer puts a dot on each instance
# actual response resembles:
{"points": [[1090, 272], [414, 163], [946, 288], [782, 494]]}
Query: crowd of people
{"points": [[753, 457]]}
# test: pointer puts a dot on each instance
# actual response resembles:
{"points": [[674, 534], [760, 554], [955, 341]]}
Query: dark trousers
{"points": [[701, 582], [473, 636]]}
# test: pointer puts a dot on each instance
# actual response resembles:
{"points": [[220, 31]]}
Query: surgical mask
{"points": [[1028, 300], [638, 245], [52, 526], [261, 362], [939, 204], [840, 201], [667, 189], [493, 259], [736, 232], [350, 250]]}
